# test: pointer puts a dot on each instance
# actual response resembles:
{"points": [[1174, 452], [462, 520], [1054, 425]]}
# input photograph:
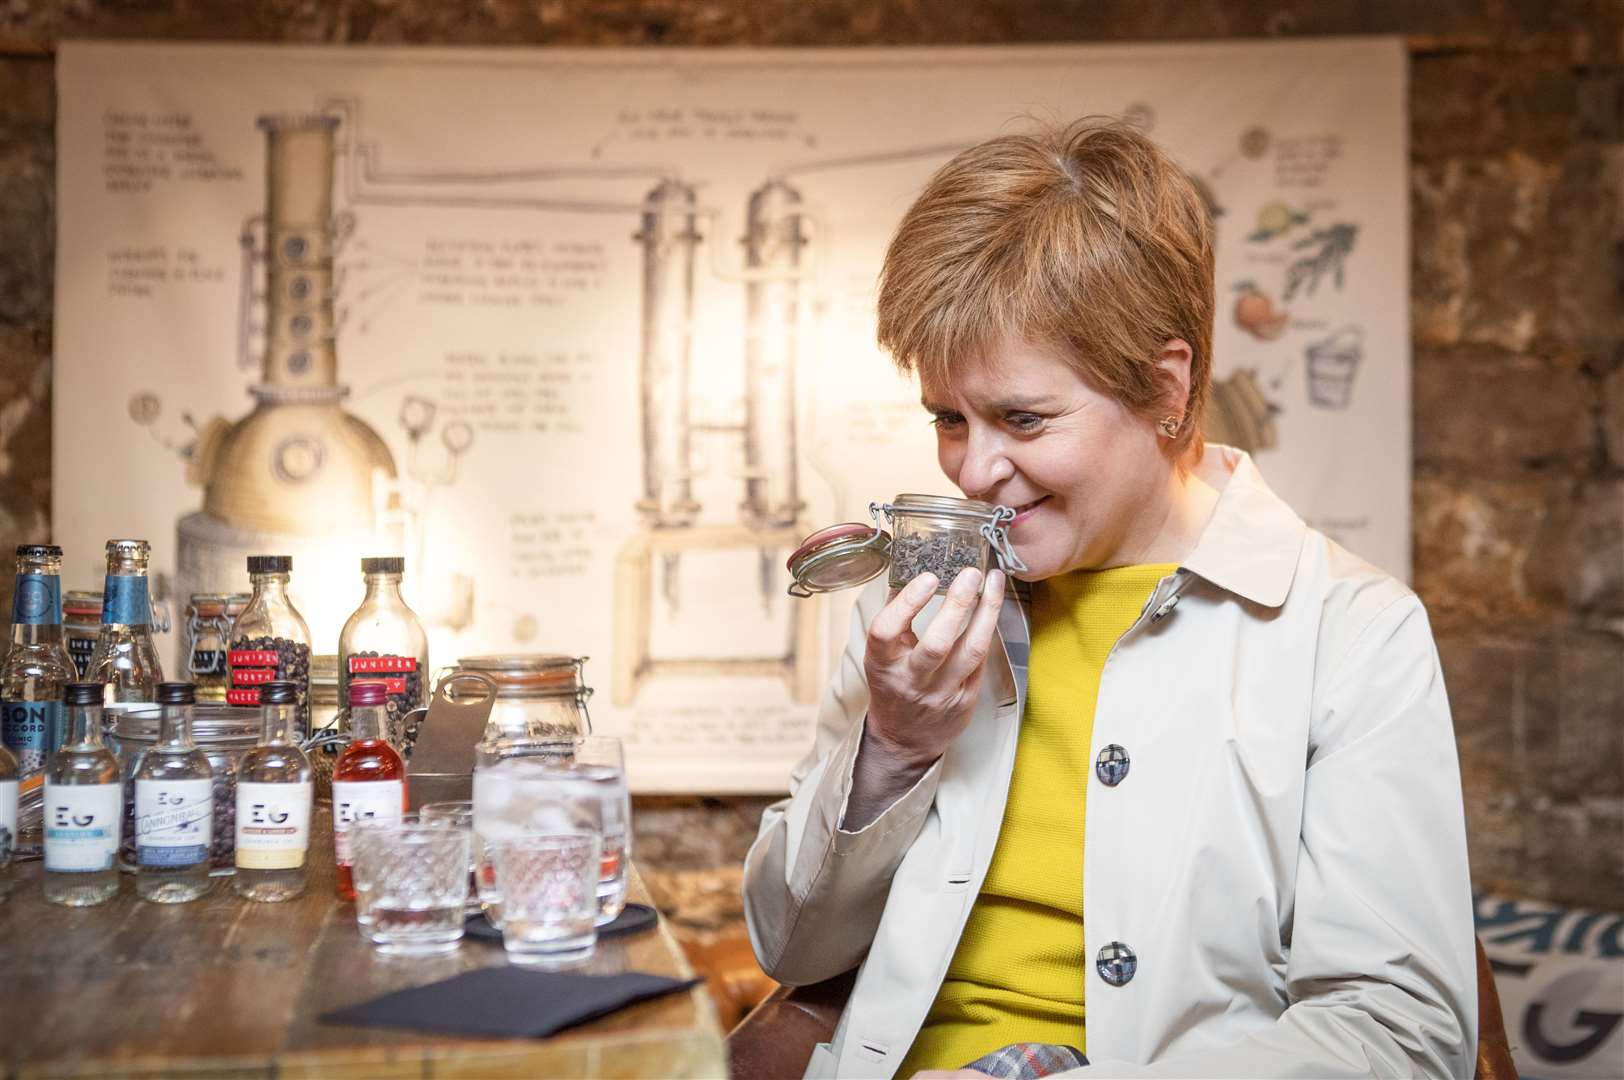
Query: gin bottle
{"points": [[384, 640], [125, 660], [273, 803], [369, 778], [84, 807], [174, 806], [269, 640], [36, 666], [8, 820]]}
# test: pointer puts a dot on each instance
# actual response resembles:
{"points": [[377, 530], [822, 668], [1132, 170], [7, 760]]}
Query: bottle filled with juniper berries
{"points": [[84, 807], [384, 640], [274, 788], [270, 640], [369, 779], [174, 806]]}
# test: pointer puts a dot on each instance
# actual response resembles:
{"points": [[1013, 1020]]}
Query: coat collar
{"points": [[1251, 543]]}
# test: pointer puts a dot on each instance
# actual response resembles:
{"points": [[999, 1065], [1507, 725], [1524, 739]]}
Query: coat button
{"points": [[1116, 964], [1112, 765]]}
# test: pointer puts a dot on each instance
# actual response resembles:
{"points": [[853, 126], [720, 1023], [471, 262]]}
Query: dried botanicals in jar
{"points": [[930, 534]]}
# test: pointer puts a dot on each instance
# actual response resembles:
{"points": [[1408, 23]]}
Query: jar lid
{"points": [[213, 605], [529, 673], [82, 602], [941, 504], [839, 557], [211, 723]]}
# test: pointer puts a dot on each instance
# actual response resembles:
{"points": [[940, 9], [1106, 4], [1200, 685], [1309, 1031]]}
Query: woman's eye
{"points": [[946, 420], [1025, 421]]}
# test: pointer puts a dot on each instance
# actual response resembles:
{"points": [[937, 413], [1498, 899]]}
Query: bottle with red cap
{"points": [[369, 779]]}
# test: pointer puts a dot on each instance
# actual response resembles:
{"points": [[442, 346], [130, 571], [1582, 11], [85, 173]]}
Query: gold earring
{"points": [[1169, 426]]}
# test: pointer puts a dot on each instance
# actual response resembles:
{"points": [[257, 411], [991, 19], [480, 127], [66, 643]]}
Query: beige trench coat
{"points": [[1284, 860]]}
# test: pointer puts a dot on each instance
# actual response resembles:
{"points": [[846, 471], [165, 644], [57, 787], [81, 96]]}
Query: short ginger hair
{"points": [[1086, 239]]}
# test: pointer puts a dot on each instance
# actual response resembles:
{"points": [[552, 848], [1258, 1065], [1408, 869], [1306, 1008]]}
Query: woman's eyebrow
{"points": [[1007, 404]]}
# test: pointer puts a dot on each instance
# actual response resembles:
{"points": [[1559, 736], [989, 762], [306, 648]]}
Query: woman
{"points": [[1185, 797]]}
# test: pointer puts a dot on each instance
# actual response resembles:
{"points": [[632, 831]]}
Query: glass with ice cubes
{"points": [[531, 788], [588, 762]]}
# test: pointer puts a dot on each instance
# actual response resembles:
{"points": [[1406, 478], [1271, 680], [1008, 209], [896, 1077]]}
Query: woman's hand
{"points": [[923, 689]]}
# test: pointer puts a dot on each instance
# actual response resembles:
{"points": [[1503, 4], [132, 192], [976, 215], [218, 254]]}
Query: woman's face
{"points": [[1088, 479]]}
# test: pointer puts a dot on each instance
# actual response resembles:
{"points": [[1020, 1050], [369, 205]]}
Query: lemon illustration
{"points": [[1275, 217]]}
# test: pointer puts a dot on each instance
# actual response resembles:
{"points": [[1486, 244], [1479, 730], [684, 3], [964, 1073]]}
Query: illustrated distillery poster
{"points": [[588, 336]]}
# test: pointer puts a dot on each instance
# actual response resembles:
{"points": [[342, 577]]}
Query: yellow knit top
{"points": [[1017, 974]]}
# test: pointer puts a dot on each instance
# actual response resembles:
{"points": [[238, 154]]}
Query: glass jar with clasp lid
{"points": [[203, 641], [929, 533], [81, 624], [537, 694], [221, 731]]}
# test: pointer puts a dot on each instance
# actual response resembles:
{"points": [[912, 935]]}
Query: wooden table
{"points": [[225, 987]]}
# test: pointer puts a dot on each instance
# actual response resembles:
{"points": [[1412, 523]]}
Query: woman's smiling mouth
{"points": [[1026, 510]]}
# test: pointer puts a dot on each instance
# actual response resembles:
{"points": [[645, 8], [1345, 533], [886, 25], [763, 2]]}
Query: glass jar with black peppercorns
{"points": [[270, 640], [384, 641], [933, 534]]}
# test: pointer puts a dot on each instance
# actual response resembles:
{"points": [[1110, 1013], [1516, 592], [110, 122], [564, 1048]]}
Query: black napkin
{"points": [[633, 919], [507, 1001]]}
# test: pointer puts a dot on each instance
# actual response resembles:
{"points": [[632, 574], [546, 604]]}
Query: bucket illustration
{"points": [[1332, 365]]}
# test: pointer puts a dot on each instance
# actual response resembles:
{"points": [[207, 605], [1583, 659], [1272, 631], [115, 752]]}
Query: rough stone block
{"points": [[1482, 683], [1498, 830], [695, 834], [1487, 411], [1473, 538], [1575, 855], [1612, 417], [27, 233], [1481, 251], [25, 444], [1569, 699], [1576, 560], [1517, 252], [1586, 234], [27, 100]]}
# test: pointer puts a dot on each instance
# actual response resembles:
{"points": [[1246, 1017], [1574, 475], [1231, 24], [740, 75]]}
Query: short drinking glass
{"points": [[415, 877], [460, 815], [607, 765], [549, 887]]}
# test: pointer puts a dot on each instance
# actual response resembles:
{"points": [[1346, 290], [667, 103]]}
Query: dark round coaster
{"points": [[634, 919]]}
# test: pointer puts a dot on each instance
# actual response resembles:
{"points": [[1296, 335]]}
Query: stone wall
{"points": [[1517, 167]]}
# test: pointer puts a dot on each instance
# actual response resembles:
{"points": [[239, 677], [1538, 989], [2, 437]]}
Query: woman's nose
{"points": [[986, 464]]}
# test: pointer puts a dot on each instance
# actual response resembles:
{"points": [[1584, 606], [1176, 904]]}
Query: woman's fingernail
{"points": [[922, 586]]}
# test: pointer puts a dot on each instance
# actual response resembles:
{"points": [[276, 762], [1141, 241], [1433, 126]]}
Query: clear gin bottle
{"points": [[174, 806], [84, 807], [273, 803]]}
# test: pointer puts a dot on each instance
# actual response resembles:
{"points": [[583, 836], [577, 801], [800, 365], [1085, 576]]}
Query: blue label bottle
{"points": [[36, 666]]}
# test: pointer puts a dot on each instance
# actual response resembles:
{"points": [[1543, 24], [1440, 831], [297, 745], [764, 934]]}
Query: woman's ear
{"points": [[1173, 370]]}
